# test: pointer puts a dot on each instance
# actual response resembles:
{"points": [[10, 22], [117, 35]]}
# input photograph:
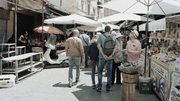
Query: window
{"points": [[82, 4], [60, 3], [88, 9]]}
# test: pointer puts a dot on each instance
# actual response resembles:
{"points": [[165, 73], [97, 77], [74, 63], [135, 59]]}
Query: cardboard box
{"points": [[7, 81]]}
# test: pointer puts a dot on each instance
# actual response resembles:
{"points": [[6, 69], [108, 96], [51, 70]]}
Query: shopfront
{"points": [[4, 16], [164, 52]]}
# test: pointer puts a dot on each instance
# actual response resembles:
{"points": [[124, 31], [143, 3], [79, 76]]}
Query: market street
{"points": [[52, 85]]}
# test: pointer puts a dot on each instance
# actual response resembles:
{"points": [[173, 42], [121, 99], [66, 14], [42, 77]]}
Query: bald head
{"points": [[75, 32]]}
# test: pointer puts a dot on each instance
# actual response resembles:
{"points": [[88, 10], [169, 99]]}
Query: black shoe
{"points": [[93, 86], [108, 88], [118, 83], [77, 81], [86, 66], [98, 89], [70, 85]]}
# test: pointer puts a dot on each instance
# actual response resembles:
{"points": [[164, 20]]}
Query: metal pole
{"points": [[42, 22], [15, 26], [42, 16], [147, 15]]}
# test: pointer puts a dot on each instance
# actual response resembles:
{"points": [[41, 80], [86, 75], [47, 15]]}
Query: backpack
{"points": [[109, 45], [93, 51]]}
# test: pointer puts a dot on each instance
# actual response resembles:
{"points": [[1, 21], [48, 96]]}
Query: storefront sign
{"points": [[160, 70]]}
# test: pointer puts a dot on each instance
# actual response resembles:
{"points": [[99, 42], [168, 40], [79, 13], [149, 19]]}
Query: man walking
{"points": [[107, 46], [86, 43], [74, 51]]}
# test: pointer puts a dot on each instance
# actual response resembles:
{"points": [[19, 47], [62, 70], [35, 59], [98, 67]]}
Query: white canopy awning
{"points": [[122, 16], [90, 28], [154, 25], [140, 6], [98, 28], [71, 19]]}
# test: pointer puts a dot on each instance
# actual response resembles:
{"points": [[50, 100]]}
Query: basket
{"points": [[129, 78]]}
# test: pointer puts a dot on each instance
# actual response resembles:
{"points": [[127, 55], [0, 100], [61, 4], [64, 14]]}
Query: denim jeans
{"points": [[86, 49], [74, 61], [93, 66], [101, 64]]}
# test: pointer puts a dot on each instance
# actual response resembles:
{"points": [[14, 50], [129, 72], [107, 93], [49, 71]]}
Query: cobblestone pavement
{"points": [[52, 85]]}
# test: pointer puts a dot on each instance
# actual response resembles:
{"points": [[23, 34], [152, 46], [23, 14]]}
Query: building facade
{"points": [[29, 13], [88, 8], [108, 12], [4, 17], [82, 7]]}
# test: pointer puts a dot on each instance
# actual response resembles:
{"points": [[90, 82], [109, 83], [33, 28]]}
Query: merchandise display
{"points": [[161, 76], [131, 68], [164, 51], [175, 88]]}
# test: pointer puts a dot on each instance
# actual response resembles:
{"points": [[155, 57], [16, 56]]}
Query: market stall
{"points": [[164, 50]]}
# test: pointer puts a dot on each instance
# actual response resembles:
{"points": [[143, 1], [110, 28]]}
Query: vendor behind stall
{"points": [[25, 41], [133, 47]]}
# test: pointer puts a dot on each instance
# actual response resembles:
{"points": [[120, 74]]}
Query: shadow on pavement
{"points": [[88, 73], [50, 66], [86, 69], [60, 85], [86, 93]]}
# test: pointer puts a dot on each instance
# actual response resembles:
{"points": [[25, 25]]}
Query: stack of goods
{"points": [[131, 68]]}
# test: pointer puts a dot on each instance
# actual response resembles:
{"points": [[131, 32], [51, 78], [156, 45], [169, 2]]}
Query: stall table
{"points": [[16, 66], [161, 74]]}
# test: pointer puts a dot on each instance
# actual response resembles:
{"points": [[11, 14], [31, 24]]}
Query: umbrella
{"points": [[98, 28], [71, 19], [122, 16], [90, 28], [48, 29], [161, 7], [154, 25]]}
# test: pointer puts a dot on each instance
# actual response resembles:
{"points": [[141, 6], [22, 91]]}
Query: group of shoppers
{"points": [[104, 50]]}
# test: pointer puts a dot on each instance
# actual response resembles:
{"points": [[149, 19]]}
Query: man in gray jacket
{"points": [[86, 43]]}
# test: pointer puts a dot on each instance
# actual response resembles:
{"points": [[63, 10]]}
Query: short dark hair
{"points": [[107, 29]]}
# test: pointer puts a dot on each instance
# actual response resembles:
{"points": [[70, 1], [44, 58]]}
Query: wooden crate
{"points": [[129, 78]]}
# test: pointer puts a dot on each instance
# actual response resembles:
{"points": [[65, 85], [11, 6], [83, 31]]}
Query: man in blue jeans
{"points": [[104, 59], [74, 51]]}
